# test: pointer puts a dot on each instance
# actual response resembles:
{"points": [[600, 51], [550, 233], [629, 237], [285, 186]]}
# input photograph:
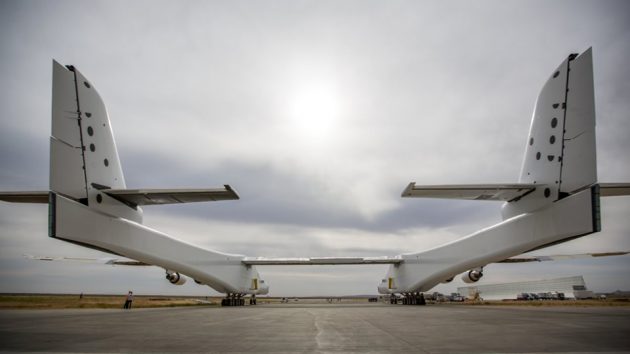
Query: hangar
{"points": [[572, 287]]}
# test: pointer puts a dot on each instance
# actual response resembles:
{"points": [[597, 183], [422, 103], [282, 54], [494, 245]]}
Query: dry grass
{"points": [[91, 301]]}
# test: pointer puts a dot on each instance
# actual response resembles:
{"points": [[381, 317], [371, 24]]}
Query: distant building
{"points": [[572, 287]]}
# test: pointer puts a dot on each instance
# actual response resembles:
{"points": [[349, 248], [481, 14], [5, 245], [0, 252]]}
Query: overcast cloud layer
{"points": [[318, 113]]}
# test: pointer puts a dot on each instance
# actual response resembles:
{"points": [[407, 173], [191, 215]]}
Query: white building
{"points": [[572, 287]]}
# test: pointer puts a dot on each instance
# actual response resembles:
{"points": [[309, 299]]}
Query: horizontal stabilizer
{"points": [[171, 196], [321, 260], [614, 189], [25, 197], [500, 192], [108, 261], [523, 259]]}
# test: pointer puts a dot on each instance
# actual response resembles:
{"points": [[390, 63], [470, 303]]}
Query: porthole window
{"points": [[99, 198], [538, 155], [90, 131], [106, 162], [531, 141], [550, 157], [555, 105], [547, 192], [555, 75], [92, 147], [86, 84], [554, 122], [88, 114], [552, 139]]}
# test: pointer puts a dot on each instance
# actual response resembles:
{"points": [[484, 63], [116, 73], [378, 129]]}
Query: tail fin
{"points": [[561, 154], [83, 154]]}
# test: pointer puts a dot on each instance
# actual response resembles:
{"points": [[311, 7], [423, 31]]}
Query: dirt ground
{"points": [[93, 301]]}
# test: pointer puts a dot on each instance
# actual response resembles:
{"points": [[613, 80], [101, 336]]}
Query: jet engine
{"points": [[472, 276], [175, 278]]}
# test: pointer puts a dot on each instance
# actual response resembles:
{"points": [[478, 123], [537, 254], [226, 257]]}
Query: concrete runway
{"points": [[333, 328]]}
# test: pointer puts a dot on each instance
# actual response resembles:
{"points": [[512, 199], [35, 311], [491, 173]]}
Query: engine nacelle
{"points": [[472, 276], [175, 278]]}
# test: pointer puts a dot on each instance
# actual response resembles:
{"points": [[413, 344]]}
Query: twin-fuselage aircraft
{"points": [[556, 198]]}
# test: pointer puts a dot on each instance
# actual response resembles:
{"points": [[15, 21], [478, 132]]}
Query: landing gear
{"points": [[233, 300], [393, 299], [237, 300], [409, 299]]}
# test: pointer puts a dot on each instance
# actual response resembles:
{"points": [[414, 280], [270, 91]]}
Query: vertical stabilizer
{"points": [[560, 152], [84, 158]]}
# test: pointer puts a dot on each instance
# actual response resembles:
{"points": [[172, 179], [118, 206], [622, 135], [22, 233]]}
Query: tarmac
{"points": [[329, 328]]}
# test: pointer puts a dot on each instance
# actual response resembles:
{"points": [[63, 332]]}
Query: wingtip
{"points": [[408, 189], [230, 189]]}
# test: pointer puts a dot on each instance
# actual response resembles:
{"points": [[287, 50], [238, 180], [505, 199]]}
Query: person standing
{"points": [[128, 301]]}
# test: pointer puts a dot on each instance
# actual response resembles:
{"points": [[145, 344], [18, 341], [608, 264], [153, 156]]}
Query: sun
{"points": [[314, 112]]}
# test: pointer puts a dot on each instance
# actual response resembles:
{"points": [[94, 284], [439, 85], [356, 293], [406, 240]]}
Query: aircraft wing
{"points": [[525, 258], [321, 260], [171, 196], [108, 261], [25, 197], [398, 260], [500, 192], [246, 261], [136, 197], [614, 189]]}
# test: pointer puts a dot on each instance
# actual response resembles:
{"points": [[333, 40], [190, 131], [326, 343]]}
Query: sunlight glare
{"points": [[315, 112]]}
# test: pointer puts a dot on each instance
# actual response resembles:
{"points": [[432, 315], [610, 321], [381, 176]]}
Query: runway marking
{"points": [[330, 334]]}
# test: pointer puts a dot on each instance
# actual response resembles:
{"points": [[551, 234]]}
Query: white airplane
{"points": [[555, 200]]}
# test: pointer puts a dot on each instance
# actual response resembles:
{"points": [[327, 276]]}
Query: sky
{"points": [[319, 113]]}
